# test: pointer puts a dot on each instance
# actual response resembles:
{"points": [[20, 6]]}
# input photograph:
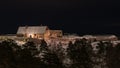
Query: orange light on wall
{"points": [[31, 35]]}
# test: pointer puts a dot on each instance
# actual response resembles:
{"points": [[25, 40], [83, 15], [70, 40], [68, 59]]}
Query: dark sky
{"points": [[73, 16]]}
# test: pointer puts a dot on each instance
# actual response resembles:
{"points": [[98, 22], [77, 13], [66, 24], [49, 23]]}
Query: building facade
{"points": [[39, 32]]}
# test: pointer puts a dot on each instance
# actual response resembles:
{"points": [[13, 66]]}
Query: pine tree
{"points": [[102, 54], [79, 54], [110, 51], [48, 57], [27, 57], [7, 54], [116, 58]]}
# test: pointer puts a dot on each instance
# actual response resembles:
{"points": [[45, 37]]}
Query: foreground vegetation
{"points": [[78, 55]]}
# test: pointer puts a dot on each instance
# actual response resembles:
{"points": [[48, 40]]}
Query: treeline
{"points": [[80, 54]]}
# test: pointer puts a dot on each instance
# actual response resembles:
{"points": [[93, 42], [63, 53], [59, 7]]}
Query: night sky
{"points": [[73, 16]]}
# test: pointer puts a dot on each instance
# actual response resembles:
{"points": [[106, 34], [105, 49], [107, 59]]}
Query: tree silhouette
{"points": [[7, 54], [52, 60], [104, 54], [43, 46], [79, 54], [49, 58], [116, 58], [110, 51], [27, 57]]}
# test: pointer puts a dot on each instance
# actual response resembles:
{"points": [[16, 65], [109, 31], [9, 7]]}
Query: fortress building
{"points": [[39, 32]]}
